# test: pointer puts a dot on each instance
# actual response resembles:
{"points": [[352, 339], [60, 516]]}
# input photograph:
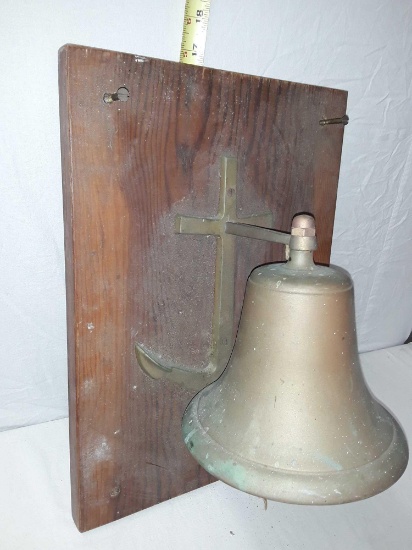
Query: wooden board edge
{"points": [[67, 185], [71, 47]]}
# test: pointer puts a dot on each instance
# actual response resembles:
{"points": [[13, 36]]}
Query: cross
{"points": [[223, 311]]}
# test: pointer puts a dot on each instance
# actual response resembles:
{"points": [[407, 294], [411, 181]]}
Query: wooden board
{"points": [[128, 169]]}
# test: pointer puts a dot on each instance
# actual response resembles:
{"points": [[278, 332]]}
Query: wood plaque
{"points": [[129, 167]]}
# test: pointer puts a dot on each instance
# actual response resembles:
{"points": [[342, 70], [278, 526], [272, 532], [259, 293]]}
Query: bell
{"points": [[291, 418]]}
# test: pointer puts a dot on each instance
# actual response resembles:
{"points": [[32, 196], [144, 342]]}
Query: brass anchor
{"points": [[225, 226]]}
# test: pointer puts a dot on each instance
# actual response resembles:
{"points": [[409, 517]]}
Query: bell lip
{"points": [[326, 488]]}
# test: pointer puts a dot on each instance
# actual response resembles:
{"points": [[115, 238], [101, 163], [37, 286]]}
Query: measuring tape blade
{"points": [[194, 31]]}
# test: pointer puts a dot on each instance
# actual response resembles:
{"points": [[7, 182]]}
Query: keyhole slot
{"points": [[122, 94]]}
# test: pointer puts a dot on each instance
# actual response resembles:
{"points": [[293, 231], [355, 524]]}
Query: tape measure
{"points": [[194, 31]]}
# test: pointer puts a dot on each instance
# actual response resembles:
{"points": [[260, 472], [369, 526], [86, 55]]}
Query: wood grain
{"points": [[128, 169]]}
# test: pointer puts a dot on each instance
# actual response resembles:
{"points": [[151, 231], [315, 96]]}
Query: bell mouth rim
{"points": [[294, 487]]}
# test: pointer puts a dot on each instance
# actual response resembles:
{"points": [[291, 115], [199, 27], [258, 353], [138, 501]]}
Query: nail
{"points": [[342, 120]]}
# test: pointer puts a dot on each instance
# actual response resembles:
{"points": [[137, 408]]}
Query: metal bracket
{"points": [[225, 226]]}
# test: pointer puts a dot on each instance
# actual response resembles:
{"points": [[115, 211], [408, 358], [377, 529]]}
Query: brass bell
{"points": [[291, 418]]}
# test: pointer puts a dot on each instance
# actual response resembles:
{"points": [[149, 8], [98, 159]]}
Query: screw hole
{"points": [[115, 492], [122, 94]]}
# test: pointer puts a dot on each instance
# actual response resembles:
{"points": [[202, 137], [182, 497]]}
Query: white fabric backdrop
{"points": [[363, 46]]}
